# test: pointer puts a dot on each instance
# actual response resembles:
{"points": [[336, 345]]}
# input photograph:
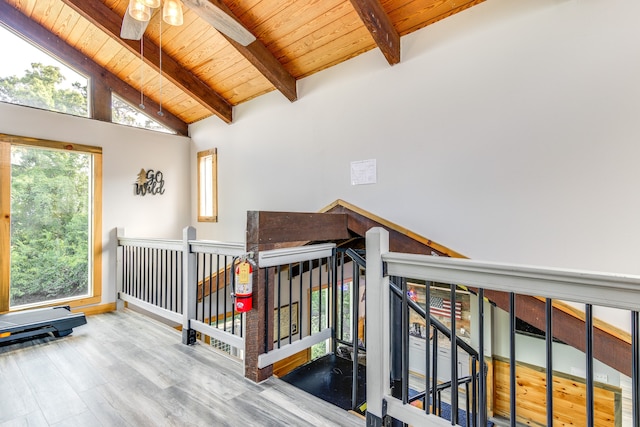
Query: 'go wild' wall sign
{"points": [[149, 182]]}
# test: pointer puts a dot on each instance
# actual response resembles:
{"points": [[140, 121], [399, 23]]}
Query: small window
{"points": [[208, 186], [124, 114]]}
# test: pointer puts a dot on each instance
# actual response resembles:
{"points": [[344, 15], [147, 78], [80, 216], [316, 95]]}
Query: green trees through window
{"points": [[50, 224], [34, 78], [124, 114], [40, 87]]}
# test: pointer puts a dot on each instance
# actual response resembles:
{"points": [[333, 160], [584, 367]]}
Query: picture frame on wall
{"points": [[288, 313]]}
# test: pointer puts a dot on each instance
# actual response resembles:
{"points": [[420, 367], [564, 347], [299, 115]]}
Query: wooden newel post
{"points": [[256, 336], [257, 339], [272, 230]]}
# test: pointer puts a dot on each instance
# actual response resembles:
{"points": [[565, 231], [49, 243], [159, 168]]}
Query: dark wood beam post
{"points": [[256, 334], [270, 230], [381, 28], [100, 100]]}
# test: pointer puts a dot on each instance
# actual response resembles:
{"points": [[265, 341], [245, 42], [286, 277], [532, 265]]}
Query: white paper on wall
{"points": [[363, 172]]}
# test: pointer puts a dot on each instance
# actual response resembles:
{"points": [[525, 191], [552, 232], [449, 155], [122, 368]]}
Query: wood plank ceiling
{"points": [[205, 73]]}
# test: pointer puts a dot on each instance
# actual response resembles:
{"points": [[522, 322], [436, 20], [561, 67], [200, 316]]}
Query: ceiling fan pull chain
{"points": [[160, 113]]}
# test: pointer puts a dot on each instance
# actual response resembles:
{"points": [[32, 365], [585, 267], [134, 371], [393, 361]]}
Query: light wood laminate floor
{"points": [[124, 369]]}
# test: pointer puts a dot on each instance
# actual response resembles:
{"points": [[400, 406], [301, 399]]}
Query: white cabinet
{"points": [[417, 353]]}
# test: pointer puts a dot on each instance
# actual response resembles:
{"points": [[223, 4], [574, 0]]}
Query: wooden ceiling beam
{"points": [[37, 34], [261, 58], [381, 28], [110, 22]]}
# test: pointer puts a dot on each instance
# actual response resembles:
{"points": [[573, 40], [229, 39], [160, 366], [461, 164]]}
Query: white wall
{"points": [[125, 151], [508, 132]]}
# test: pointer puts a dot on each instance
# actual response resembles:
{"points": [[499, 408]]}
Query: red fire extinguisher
{"points": [[244, 286]]}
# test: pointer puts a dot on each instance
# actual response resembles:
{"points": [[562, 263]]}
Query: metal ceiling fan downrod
{"points": [[172, 15]]}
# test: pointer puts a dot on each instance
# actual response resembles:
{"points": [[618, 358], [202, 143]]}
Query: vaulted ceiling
{"points": [[203, 71]]}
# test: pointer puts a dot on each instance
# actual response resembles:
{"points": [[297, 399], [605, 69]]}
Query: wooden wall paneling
{"points": [[26, 7], [322, 49], [210, 71], [46, 12], [91, 41], [414, 15], [607, 348], [204, 50], [75, 33], [321, 17], [67, 20], [106, 51], [189, 37], [243, 83], [120, 60], [286, 365], [254, 13], [248, 89], [192, 111], [569, 397], [285, 26]]}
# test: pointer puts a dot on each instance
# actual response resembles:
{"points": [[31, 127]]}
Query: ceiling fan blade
{"points": [[132, 29], [221, 21]]}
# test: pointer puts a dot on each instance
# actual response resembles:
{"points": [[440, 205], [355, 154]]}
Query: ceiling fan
{"points": [[138, 13]]}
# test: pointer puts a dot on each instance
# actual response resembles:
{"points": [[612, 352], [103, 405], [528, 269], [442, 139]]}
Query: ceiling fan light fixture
{"points": [[153, 4], [139, 10], [172, 12]]}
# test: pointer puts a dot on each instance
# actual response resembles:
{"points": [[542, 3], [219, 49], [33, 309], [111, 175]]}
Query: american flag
{"points": [[442, 307]]}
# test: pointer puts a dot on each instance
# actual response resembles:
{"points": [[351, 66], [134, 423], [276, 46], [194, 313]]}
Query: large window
{"points": [[32, 77], [50, 233]]}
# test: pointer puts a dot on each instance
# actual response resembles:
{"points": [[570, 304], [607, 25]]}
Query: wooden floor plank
{"points": [[124, 369], [16, 397], [55, 396], [33, 419], [305, 406]]}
